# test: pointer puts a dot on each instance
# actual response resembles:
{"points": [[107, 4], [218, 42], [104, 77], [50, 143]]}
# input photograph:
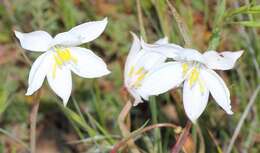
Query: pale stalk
{"points": [[124, 128], [146, 129], [33, 121], [182, 139]]}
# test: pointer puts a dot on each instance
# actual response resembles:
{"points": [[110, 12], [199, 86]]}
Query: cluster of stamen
{"points": [[137, 76], [62, 56], [193, 75]]}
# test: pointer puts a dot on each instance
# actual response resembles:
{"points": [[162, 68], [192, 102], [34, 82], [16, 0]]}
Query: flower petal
{"points": [[194, 99], [148, 60], [81, 34], [61, 82], [35, 41], [137, 97], [162, 41], [217, 88], [88, 65], [221, 61], [38, 72], [162, 78], [189, 54], [135, 49], [168, 50]]}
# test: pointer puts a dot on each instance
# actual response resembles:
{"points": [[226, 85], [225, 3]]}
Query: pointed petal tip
{"points": [[105, 20], [230, 112], [137, 101], [18, 34], [28, 92], [133, 34], [65, 101], [107, 72], [192, 119], [240, 52]]}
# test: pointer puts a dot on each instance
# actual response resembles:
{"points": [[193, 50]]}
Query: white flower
{"points": [[195, 70], [61, 56], [138, 64]]}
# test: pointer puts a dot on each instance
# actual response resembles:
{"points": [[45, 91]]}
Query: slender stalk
{"points": [[242, 119], [146, 129], [33, 121], [181, 25], [140, 19], [182, 139], [11, 136], [124, 128]]}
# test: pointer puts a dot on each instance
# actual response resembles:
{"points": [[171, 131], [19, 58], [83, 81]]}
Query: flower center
{"points": [[193, 76], [136, 76], [62, 56]]}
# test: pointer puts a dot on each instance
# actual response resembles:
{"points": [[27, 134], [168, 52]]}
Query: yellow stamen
{"points": [[131, 72], [193, 76], [140, 78], [202, 87], [62, 56], [54, 68], [139, 71], [185, 68]]}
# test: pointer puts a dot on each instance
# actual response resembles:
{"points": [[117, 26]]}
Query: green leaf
{"points": [[249, 23], [220, 12], [214, 39], [68, 13], [244, 9]]}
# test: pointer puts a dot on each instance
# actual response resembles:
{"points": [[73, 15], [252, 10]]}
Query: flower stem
{"points": [[124, 128], [146, 129], [33, 121], [182, 139]]}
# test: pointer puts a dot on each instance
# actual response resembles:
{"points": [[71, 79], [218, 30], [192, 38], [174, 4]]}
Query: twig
{"points": [[242, 119], [14, 138], [140, 19], [181, 25], [33, 121], [124, 129], [148, 128], [182, 139]]}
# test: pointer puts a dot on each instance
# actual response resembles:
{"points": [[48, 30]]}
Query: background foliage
{"points": [[89, 123]]}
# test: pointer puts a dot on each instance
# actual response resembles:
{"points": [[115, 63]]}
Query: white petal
{"points": [[148, 60], [136, 96], [135, 48], [162, 78], [189, 54], [221, 61], [168, 50], [194, 99], [88, 64], [162, 41], [38, 72], [217, 88], [35, 41], [82, 33], [61, 82]]}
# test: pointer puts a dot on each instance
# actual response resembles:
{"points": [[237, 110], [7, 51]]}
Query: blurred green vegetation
{"points": [[91, 115]]}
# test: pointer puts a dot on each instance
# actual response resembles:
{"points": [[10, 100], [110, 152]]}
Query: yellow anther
{"points": [[185, 68], [140, 78], [201, 86], [193, 76], [62, 56], [58, 61], [54, 68], [131, 72], [139, 71]]}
